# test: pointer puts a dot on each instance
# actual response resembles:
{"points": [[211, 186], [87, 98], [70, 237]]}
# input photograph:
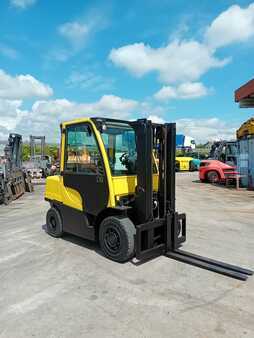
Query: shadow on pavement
{"points": [[79, 241]]}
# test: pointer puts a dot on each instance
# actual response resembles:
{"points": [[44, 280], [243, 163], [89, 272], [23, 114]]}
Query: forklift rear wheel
{"points": [[116, 236], [54, 223]]}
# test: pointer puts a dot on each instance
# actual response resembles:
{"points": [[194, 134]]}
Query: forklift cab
{"points": [[99, 161]]}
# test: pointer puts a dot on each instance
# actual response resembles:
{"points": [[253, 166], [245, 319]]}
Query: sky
{"points": [[169, 60]]}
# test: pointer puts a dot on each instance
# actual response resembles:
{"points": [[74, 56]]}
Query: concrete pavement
{"points": [[66, 288]]}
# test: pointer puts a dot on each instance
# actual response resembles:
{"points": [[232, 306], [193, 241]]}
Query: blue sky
{"points": [[170, 60]]}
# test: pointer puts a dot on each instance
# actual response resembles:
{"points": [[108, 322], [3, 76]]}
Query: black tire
{"points": [[213, 176], [7, 200], [192, 166], [54, 223], [116, 237], [177, 166], [28, 183], [8, 196]]}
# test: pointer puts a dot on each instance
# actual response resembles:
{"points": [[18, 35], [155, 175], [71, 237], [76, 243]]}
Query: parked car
{"points": [[215, 171], [195, 164], [185, 163]]}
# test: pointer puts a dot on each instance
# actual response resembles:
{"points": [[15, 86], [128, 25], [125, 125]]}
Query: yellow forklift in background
{"points": [[111, 190]]}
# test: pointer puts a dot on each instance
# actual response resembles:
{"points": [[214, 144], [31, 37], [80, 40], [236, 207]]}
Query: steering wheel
{"points": [[124, 158]]}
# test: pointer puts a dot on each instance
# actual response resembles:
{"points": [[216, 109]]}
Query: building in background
{"points": [[245, 135], [185, 142]]}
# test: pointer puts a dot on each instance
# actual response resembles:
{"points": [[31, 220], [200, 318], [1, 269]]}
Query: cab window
{"points": [[119, 139], [82, 152], [204, 164], [120, 145]]}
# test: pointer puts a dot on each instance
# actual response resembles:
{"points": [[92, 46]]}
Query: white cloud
{"points": [[10, 114], [115, 105], [156, 119], [107, 105], [166, 93], [78, 32], [236, 24], [8, 51], [3, 133], [210, 129], [202, 130], [89, 80], [22, 3], [22, 86], [75, 32], [59, 110], [188, 90], [60, 54], [12, 91], [150, 107], [184, 60], [36, 120], [179, 61], [9, 106]]}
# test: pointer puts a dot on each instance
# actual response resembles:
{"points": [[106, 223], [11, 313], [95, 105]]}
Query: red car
{"points": [[214, 171]]}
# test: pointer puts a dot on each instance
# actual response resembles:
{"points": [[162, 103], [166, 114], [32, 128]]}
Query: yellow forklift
{"points": [[111, 190]]}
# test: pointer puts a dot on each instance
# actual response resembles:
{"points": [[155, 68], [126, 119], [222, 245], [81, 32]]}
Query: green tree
{"points": [[25, 152], [51, 150]]}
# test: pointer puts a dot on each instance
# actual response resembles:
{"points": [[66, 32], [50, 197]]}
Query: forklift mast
{"points": [[156, 234], [149, 136], [14, 181], [33, 151], [166, 233], [225, 151], [13, 151]]}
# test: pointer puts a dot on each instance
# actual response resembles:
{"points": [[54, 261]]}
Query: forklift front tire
{"points": [[116, 237], [54, 223]]}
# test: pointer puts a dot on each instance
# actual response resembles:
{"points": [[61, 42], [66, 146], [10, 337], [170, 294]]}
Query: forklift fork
{"points": [[164, 234], [147, 248]]}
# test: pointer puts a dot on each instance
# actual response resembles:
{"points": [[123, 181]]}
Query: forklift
{"points": [[112, 190], [14, 179]]}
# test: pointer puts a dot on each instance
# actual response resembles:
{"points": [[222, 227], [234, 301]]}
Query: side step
{"points": [[210, 264]]}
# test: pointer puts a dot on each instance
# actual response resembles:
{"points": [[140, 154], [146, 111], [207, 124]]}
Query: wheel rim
{"points": [[52, 223], [214, 178], [112, 240]]}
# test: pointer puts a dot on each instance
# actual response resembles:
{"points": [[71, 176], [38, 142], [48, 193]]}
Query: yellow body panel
{"points": [[121, 185], [55, 190], [125, 185], [184, 163]]}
